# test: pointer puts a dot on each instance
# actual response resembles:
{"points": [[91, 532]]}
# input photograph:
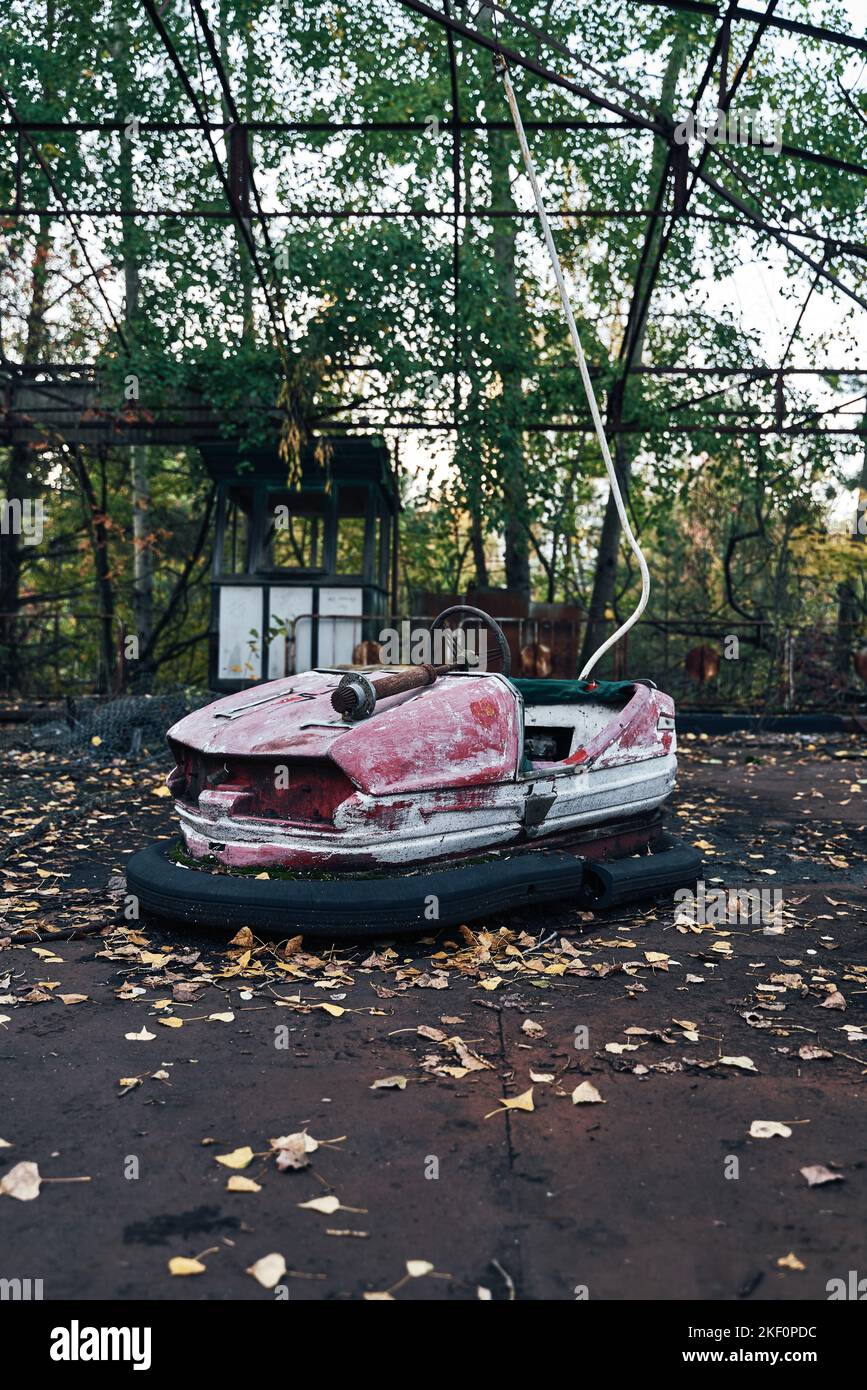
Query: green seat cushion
{"points": [[553, 692]]}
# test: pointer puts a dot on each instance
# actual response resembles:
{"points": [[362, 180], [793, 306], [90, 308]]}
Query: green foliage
{"points": [[373, 331]]}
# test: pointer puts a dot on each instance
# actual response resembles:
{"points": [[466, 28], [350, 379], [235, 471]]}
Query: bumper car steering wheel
{"points": [[493, 655]]}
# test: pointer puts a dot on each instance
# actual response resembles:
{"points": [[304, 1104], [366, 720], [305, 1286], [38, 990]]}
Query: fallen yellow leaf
{"points": [[22, 1182], [790, 1261], [238, 1184], [269, 1270], [586, 1094], [180, 1264], [327, 1205], [744, 1063], [522, 1102], [238, 1158], [243, 938]]}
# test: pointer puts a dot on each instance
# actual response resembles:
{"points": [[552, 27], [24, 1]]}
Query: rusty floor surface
{"points": [[631, 1198]]}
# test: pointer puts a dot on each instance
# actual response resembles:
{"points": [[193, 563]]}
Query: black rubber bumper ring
{"points": [[361, 906]]}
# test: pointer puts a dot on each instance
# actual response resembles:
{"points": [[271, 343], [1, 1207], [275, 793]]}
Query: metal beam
{"points": [[791, 26], [662, 126], [539, 69], [72, 411], [792, 432], [831, 241], [309, 127], [280, 330]]}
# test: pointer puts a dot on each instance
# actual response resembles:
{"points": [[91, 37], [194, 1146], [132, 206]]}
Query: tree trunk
{"points": [[143, 572], [468, 459], [510, 447], [477, 542], [95, 512], [847, 598], [139, 454], [468, 411], [245, 263], [605, 575], [16, 483]]}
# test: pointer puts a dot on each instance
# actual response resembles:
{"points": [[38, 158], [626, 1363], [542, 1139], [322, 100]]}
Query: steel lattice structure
{"points": [[627, 112]]}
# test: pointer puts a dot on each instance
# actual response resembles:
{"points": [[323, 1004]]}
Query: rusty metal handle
{"points": [[356, 697]]}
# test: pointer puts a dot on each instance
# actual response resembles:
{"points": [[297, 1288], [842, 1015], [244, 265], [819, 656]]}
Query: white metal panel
{"points": [[240, 613], [287, 602], [337, 639]]}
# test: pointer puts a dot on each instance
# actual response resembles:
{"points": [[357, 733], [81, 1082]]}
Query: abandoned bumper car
{"points": [[391, 799], [411, 797]]}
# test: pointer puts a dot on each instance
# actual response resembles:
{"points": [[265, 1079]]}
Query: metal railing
{"points": [[761, 666], [526, 632]]}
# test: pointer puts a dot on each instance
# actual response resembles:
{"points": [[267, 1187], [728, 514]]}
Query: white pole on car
{"points": [[501, 66]]}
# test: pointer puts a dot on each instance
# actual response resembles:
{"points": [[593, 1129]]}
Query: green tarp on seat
{"points": [[553, 692]]}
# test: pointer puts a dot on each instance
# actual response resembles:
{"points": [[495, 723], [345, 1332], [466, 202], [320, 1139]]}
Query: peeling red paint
{"points": [[485, 712], [579, 756], [416, 744]]}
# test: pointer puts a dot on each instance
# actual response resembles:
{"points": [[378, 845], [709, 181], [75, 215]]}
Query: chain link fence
{"points": [[101, 728]]}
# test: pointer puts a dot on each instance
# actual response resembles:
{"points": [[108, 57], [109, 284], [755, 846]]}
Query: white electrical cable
{"points": [[585, 377]]}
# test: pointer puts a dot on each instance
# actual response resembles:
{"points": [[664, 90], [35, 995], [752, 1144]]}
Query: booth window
{"points": [[351, 522], [381, 549], [295, 530], [238, 505]]}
